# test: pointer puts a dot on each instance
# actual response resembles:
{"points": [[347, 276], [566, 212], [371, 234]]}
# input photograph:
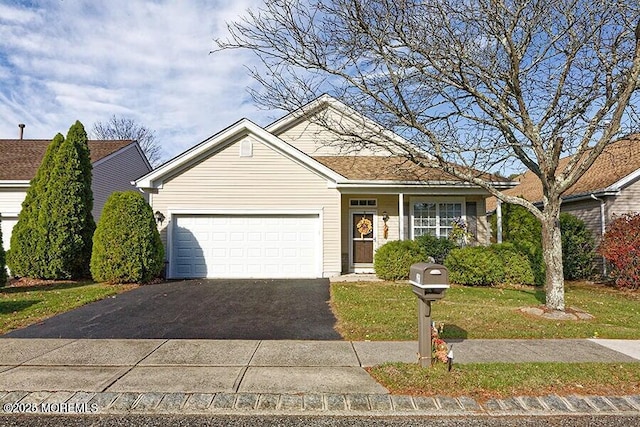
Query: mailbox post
{"points": [[429, 281]]}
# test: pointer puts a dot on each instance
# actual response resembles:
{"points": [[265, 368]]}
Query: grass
{"points": [[24, 305], [500, 380], [387, 311]]}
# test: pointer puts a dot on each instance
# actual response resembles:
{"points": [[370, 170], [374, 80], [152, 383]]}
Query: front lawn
{"points": [[500, 380], [24, 305], [387, 311]]}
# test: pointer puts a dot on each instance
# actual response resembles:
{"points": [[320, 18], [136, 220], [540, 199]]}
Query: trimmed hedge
{"points": [[436, 247], [475, 265], [489, 265], [126, 245], [516, 265], [393, 260]]}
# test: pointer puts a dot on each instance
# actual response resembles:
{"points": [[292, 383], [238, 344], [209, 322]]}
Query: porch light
{"points": [[159, 217], [385, 216]]}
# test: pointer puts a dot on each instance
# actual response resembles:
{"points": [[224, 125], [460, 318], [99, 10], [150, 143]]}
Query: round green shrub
{"points": [[517, 268], [126, 245], [394, 259], [476, 265], [578, 248], [436, 247]]}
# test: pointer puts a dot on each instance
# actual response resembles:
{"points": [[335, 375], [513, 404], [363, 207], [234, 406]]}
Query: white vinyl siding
{"points": [[269, 180], [314, 139]]}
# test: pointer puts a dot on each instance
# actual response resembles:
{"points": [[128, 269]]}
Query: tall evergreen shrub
{"points": [[521, 228], [65, 211], [126, 245], [28, 248], [578, 248]]}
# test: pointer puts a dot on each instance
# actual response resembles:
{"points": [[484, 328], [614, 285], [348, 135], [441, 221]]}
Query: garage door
{"points": [[246, 246]]}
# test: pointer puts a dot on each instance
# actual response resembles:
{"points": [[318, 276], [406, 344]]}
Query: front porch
{"points": [[369, 220]]}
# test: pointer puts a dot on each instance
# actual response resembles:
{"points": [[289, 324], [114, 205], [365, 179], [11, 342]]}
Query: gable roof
{"points": [[225, 137], [327, 102], [20, 158], [617, 166]]}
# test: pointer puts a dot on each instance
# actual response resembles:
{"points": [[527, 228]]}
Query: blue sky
{"points": [[67, 60]]}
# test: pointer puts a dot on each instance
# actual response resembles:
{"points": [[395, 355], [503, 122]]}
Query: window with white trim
{"points": [[434, 217]]}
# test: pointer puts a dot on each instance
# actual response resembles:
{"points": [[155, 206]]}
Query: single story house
{"points": [[295, 200], [115, 165], [610, 187]]}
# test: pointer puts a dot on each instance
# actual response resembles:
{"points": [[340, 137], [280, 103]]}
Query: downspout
{"points": [[602, 228]]}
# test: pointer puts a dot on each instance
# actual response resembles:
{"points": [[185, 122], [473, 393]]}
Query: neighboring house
{"points": [[610, 187], [115, 165], [291, 200]]}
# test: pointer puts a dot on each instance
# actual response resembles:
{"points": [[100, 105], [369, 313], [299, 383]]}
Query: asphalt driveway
{"points": [[207, 309]]}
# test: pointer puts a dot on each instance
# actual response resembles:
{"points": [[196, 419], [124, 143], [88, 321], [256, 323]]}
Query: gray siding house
{"points": [[610, 187]]}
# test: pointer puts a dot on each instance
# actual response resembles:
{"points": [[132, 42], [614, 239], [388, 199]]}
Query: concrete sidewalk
{"points": [[200, 376]]}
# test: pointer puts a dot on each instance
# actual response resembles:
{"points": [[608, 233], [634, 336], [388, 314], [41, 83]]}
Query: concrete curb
{"points": [[62, 402]]}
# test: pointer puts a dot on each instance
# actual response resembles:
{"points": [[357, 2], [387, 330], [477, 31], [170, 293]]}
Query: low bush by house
{"points": [[436, 247], [126, 245], [393, 260], [516, 265], [490, 265], [474, 265], [620, 246]]}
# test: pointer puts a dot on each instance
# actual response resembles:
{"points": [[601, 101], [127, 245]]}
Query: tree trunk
{"points": [[552, 254]]}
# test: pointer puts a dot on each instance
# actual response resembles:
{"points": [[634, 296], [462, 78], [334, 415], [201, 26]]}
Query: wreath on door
{"points": [[364, 227]]}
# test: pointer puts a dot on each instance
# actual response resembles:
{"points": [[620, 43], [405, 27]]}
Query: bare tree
{"points": [[126, 128], [488, 84]]}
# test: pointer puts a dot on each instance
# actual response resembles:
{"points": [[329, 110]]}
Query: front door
{"points": [[363, 236]]}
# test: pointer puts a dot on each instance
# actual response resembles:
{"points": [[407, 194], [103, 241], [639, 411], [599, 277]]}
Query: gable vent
{"points": [[246, 148]]}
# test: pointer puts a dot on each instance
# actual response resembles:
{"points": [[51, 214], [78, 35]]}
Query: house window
{"points": [[358, 203], [434, 218]]}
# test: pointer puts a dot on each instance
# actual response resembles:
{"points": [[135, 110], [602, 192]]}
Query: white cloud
{"points": [[62, 61]]}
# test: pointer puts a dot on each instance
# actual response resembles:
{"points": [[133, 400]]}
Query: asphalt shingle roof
{"points": [[618, 160], [394, 168], [20, 158]]}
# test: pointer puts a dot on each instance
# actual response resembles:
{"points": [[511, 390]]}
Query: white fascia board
{"points": [[15, 184], [618, 185], [241, 128]]}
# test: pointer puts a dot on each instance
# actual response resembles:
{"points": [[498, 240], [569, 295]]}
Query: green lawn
{"points": [[387, 311], [25, 305], [501, 380]]}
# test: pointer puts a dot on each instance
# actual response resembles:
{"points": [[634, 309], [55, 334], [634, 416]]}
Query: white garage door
{"points": [[246, 246]]}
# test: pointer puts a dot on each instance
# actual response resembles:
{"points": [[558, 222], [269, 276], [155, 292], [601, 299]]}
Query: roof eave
{"points": [[15, 183]]}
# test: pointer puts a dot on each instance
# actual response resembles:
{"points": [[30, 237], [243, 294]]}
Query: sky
{"points": [[68, 60]]}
